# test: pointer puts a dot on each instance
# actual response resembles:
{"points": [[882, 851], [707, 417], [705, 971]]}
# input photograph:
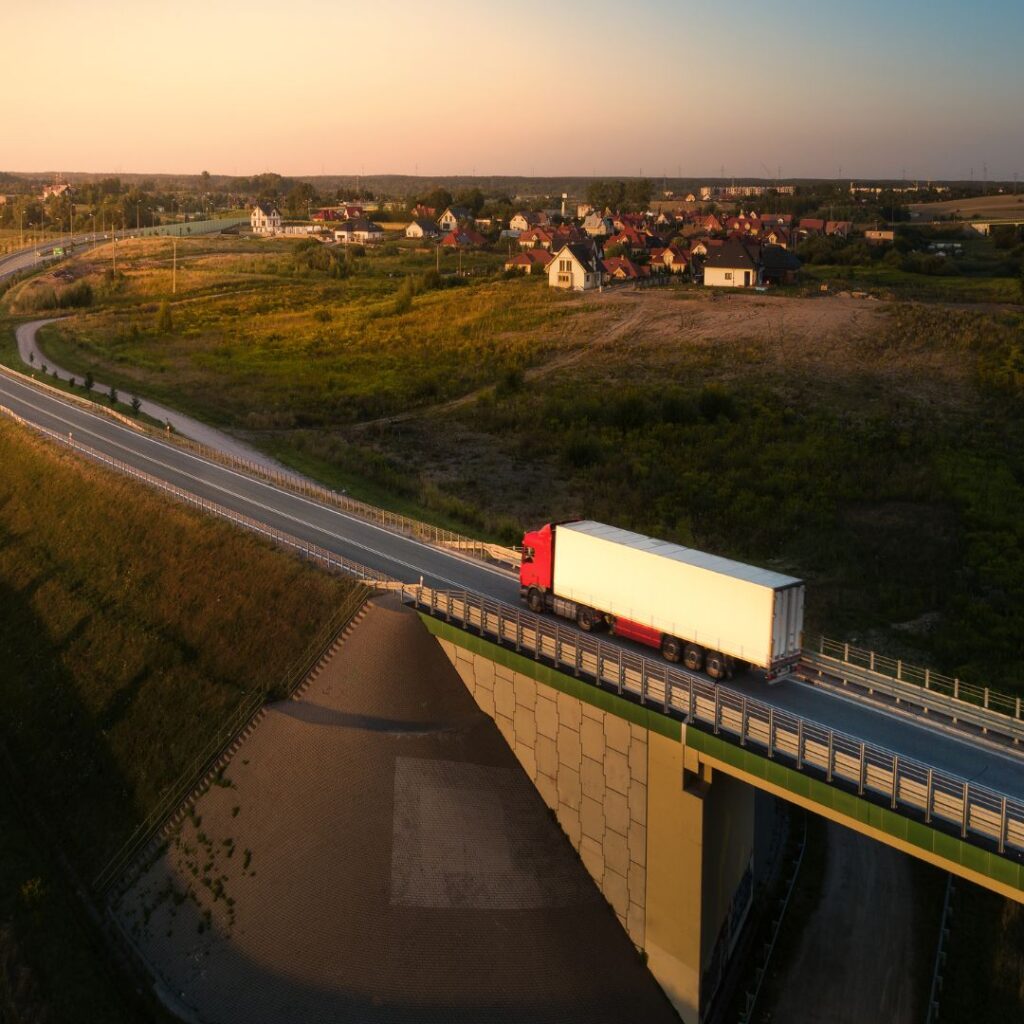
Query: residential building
{"points": [[838, 228], [536, 238], [880, 236], [50, 191], [361, 231], [454, 217], [574, 268], [778, 265], [530, 261], [422, 228], [523, 221], [622, 268], [265, 219], [731, 265], [598, 226], [463, 238], [810, 226]]}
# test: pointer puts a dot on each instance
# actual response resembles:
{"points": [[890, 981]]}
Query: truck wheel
{"points": [[715, 665], [535, 600], [671, 649], [584, 619], [693, 657]]}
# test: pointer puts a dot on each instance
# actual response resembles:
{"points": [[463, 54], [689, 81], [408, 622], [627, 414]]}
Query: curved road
{"points": [[33, 357]]}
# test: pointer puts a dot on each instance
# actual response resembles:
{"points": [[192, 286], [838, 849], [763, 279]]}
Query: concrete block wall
{"points": [[589, 765]]}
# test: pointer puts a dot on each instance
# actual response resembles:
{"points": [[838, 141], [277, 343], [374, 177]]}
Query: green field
{"points": [[894, 283], [132, 629]]}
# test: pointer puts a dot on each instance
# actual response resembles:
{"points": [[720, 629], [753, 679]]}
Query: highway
{"points": [[411, 560]]}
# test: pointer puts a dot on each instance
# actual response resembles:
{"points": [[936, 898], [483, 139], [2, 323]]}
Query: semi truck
{"points": [[704, 611]]}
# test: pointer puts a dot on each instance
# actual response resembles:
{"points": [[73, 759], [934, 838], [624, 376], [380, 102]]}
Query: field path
{"points": [[32, 356]]}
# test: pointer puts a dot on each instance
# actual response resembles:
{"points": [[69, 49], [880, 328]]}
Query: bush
{"points": [[164, 320]]}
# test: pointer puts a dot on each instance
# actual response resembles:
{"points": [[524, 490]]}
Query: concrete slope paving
{"points": [[375, 853]]}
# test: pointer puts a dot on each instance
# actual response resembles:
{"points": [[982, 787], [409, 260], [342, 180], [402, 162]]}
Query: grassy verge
{"points": [[984, 975], [924, 287], [132, 629]]}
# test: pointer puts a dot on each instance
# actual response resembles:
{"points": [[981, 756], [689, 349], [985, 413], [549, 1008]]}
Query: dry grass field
{"points": [[1004, 207]]}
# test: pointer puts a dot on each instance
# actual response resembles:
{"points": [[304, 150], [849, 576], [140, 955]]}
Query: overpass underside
{"points": [[661, 812]]}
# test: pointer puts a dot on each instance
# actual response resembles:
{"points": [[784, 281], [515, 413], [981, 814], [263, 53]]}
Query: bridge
{"points": [[920, 762]]}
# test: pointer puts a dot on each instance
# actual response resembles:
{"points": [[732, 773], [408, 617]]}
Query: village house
{"points": [[454, 217], [265, 219], [838, 228], [421, 212], [463, 238], [622, 268], [731, 265], [327, 213], [523, 221], [574, 268], [422, 228], [778, 265], [671, 259], [56, 191], [536, 238], [597, 226], [879, 236], [530, 261], [777, 236], [361, 231], [809, 226]]}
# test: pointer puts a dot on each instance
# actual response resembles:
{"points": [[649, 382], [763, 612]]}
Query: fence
{"points": [[494, 554], [979, 705], [977, 814]]}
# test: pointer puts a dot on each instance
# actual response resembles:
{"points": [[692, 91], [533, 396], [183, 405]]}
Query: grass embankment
{"points": [[131, 629], [983, 979]]}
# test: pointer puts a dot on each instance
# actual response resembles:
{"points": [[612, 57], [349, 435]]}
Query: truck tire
{"points": [[715, 665], [585, 619], [671, 649], [693, 657], [535, 600]]}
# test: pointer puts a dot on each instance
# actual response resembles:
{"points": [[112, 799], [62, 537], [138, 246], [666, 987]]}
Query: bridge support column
{"points": [[700, 838], [669, 845]]}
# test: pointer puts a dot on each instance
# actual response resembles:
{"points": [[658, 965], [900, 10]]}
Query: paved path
{"points": [[376, 854], [33, 357]]}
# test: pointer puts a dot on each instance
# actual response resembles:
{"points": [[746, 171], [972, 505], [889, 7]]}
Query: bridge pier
{"points": [[668, 839]]}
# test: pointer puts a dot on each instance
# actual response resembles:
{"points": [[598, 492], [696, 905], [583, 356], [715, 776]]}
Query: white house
{"points": [[574, 268], [730, 265], [265, 219], [454, 217], [422, 228], [359, 231], [598, 226], [523, 221]]}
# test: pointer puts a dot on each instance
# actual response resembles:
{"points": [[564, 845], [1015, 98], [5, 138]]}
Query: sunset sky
{"points": [[655, 87]]}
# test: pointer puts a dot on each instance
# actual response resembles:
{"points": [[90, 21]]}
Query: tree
{"points": [[439, 199], [299, 199], [88, 382], [113, 395], [136, 404], [606, 195], [638, 194], [472, 199]]}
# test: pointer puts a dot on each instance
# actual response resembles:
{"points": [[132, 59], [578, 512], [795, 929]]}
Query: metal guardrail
{"points": [[450, 540], [914, 676], [817, 669], [978, 814]]}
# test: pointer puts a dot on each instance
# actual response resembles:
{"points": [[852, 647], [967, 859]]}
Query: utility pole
{"points": [[174, 266]]}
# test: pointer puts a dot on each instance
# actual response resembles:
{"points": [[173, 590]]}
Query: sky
{"points": [[795, 88]]}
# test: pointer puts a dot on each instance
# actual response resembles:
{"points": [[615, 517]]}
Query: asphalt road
{"points": [[412, 560]]}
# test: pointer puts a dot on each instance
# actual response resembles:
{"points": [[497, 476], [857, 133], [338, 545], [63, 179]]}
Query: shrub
{"points": [[164, 320]]}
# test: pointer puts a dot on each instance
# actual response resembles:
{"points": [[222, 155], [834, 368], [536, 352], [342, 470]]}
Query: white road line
{"points": [[255, 480]]}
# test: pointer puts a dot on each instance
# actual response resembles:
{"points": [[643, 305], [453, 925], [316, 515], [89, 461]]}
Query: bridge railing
{"points": [[977, 814], [914, 675]]}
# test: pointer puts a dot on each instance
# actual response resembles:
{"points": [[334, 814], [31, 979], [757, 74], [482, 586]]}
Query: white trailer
{"points": [[707, 604]]}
